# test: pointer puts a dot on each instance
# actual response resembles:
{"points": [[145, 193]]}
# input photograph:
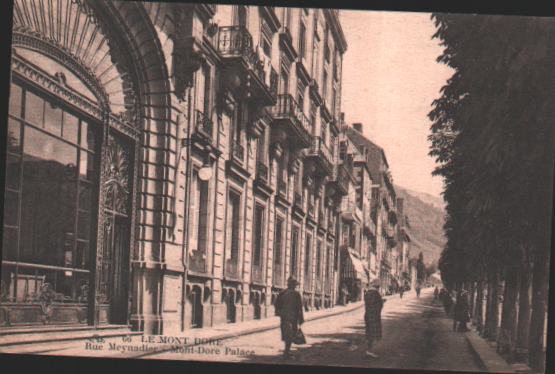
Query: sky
{"points": [[390, 78]]}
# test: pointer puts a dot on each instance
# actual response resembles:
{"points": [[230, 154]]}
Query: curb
{"points": [[487, 356], [230, 335]]}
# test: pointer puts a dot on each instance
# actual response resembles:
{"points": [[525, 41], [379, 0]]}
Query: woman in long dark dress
{"points": [[373, 304], [461, 312]]}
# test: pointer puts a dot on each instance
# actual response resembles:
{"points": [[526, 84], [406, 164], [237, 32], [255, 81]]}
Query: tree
{"points": [[492, 137]]}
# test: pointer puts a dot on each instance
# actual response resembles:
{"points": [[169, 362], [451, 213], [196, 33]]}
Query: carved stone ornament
{"points": [[186, 61]]}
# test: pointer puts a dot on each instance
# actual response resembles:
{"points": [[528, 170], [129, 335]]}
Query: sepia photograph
{"points": [[278, 185]]}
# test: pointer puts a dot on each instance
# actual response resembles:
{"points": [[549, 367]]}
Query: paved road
{"points": [[417, 335]]}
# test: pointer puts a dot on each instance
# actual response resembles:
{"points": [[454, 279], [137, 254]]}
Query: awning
{"points": [[355, 269]]}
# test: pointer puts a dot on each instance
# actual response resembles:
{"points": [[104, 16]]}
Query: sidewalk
{"points": [[485, 351]]}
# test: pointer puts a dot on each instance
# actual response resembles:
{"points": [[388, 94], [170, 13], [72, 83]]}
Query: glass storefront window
{"points": [[48, 203]]}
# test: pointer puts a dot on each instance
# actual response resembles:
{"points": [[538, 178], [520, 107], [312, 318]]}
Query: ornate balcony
{"points": [[290, 120], [320, 155], [349, 210], [244, 66], [197, 261]]}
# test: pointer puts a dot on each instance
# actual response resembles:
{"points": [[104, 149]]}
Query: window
{"points": [[50, 194], [307, 261], [312, 114], [294, 251], [261, 147], [201, 202], [258, 230], [278, 243], [234, 217], [325, 85], [206, 94], [318, 260], [284, 80], [302, 40], [300, 97], [241, 15], [266, 38]]}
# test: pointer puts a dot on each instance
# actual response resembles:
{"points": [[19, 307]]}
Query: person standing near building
{"points": [[401, 291], [461, 314], [417, 290], [373, 304], [436, 293], [289, 307]]}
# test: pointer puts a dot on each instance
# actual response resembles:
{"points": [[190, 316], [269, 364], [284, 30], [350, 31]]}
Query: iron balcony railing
{"points": [[236, 41], [287, 107], [237, 151], [319, 148], [262, 172], [343, 177], [203, 124], [197, 261], [232, 268]]}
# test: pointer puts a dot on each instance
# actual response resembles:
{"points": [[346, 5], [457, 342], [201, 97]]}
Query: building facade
{"points": [[169, 166]]}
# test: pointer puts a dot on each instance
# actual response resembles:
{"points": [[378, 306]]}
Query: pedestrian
{"points": [[418, 290], [401, 291], [461, 314], [289, 307], [436, 293], [373, 304]]}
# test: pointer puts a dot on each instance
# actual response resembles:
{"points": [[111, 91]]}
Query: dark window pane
{"points": [[48, 198], [15, 100], [71, 127], [12, 171], [11, 208], [14, 136], [34, 108], [9, 244], [84, 225], [82, 254], [53, 119], [85, 195], [87, 135], [86, 166]]}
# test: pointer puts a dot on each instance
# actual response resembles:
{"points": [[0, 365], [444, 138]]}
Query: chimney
{"points": [[358, 127]]}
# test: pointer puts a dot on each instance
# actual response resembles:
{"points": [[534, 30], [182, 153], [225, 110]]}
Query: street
{"points": [[416, 335]]}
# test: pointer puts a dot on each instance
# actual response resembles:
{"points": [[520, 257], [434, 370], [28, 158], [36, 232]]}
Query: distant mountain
{"points": [[426, 215]]}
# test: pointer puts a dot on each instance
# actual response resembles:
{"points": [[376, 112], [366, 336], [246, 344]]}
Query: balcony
{"points": [[197, 261], [236, 46], [203, 127], [262, 172], [349, 210], [320, 155], [257, 274], [291, 121], [340, 180], [369, 226], [232, 268]]}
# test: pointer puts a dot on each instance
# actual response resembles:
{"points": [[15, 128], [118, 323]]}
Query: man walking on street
{"points": [[418, 290], [289, 307], [436, 293], [461, 312], [373, 304], [401, 291]]}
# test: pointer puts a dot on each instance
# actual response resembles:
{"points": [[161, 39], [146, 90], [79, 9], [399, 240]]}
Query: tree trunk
{"points": [[523, 328], [507, 333], [472, 294], [540, 285], [492, 308], [478, 307]]}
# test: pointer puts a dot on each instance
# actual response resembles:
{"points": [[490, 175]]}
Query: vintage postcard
{"points": [[273, 184]]}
